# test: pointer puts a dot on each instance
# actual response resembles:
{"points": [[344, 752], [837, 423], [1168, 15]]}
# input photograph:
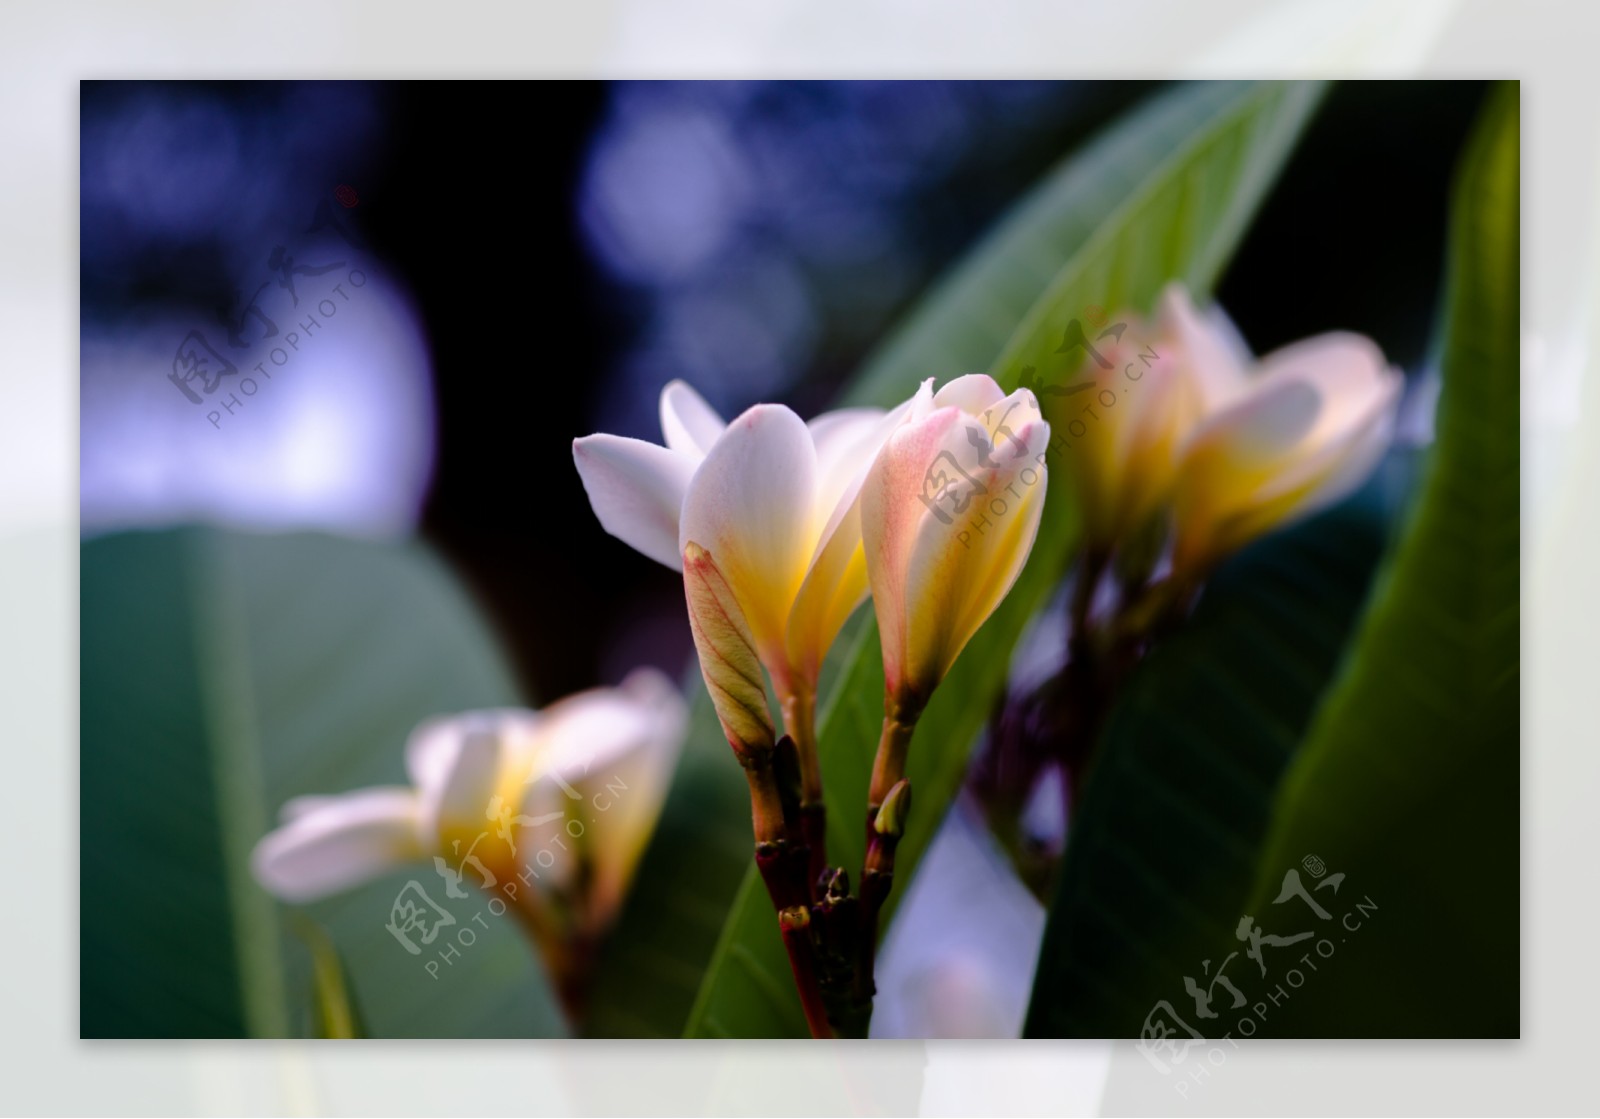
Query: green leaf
{"points": [[1166, 194], [1409, 780], [223, 674], [1165, 839]]}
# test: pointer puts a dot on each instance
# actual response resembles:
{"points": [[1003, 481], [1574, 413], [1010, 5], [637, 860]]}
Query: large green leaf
{"points": [[221, 675], [1409, 780], [1164, 844], [1164, 195]]}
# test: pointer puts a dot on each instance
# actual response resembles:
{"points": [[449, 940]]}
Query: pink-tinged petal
{"points": [[689, 425], [959, 573], [751, 504], [1242, 446], [1348, 372], [333, 843], [728, 655], [1326, 473], [910, 481], [1210, 348], [637, 490]]}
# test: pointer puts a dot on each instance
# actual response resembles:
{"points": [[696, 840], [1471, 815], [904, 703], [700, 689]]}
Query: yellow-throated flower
{"points": [[1274, 439], [550, 809], [1173, 417], [771, 500]]}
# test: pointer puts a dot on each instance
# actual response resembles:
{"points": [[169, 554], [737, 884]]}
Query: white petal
{"points": [[588, 732], [334, 843], [689, 425], [1212, 350], [751, 505], [847, 441], [958, 574], [1349, 374], [457, 797], [1253, 436], [637, 490], [974, 394], [1337, 467], [945, 535]]}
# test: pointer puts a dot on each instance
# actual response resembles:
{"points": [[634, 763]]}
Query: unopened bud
{"points": [[835, 883], [891, 818]]}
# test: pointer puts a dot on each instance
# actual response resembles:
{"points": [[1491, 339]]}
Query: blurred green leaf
{"points": [[1409, 779], [223, 674], [1163, 195], [1165, 839]]}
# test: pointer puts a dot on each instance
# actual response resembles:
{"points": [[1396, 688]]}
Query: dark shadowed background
{"points": [[553, 253]]}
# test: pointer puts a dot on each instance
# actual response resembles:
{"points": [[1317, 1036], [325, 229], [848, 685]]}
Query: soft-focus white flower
{"points": [[579, 783], [1275, 439], [1184, 422], [949, 513]]}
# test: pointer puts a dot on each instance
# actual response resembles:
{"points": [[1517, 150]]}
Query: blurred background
{"points": [[495, 269]]}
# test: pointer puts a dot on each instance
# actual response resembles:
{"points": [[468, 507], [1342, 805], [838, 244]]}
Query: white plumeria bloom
{"points": [[772, 501], [580, 782], [1184, 421], [950, 511], [1275, 439]]}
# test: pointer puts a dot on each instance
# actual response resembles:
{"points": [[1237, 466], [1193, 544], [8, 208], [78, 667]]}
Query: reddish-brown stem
{"points": [[795, 924], [783, 863], [900, 715], [799, 720]]}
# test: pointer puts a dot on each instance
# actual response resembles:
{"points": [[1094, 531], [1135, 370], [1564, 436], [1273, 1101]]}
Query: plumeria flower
{"points": [[550, 809], [1275, 439], [771, 499], [949, 514], [1182, 420], [1126, 412]]}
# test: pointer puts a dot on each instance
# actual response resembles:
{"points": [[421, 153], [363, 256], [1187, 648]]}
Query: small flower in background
{"points": [[1228, 446], [1125, 427], [549, 809], [1277, 438], [1186, 449]]}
